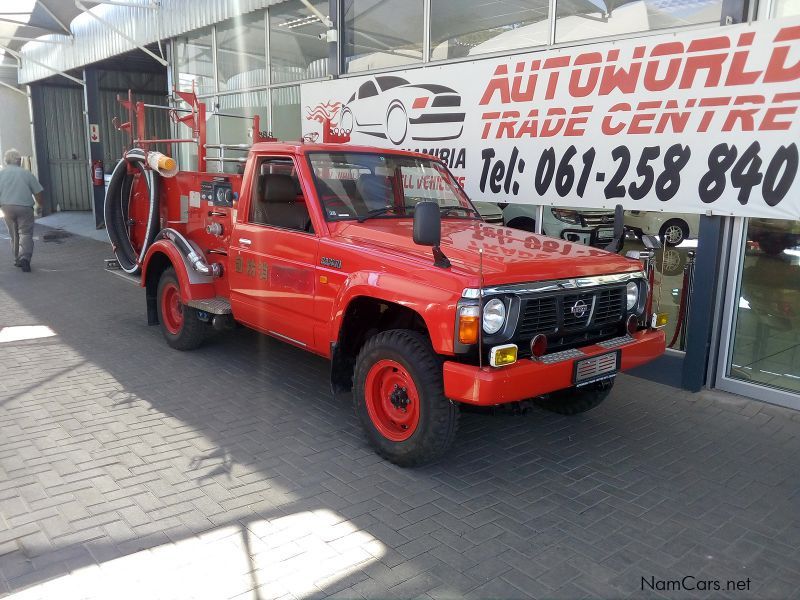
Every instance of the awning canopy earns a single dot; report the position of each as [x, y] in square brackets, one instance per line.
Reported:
[68, 38]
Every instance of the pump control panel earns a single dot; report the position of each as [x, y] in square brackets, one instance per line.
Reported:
[219, 192]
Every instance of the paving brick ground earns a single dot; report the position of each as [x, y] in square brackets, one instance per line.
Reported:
[128, 470]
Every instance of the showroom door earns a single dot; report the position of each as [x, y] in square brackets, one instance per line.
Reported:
[760, 334]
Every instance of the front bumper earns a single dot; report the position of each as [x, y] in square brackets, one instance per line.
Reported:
[530, 378]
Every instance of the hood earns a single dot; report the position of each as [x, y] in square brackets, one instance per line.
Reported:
[509, 255]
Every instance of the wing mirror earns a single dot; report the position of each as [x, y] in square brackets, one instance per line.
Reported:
[428, 230]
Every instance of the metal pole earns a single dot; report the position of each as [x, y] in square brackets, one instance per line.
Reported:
[37, 40]
[14, 89]
[91, 99]
[46, 9]
[20, 57]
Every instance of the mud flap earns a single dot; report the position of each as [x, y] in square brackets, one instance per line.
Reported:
[152, 310]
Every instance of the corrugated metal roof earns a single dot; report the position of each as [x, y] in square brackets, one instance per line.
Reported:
[94, 41]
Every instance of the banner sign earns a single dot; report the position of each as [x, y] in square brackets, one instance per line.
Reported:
[704, 121]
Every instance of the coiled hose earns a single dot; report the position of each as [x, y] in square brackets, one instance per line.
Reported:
[116, 210]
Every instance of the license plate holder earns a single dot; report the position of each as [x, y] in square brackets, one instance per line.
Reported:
[596, 368]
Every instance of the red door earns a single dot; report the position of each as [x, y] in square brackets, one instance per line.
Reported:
[273, 254]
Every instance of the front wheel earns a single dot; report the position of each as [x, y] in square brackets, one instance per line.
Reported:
[180, 325]
[576, 400]
[398, 396]
[674, 232]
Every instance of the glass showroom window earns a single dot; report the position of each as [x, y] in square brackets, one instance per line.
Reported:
[471, 27]
[379, 34]
[296, 49]
[583, 19]
[194, 62]
[235, 130]
[286, 113]
[674, 264]
[766, 335]
[241, 53]
[186, 154]
[786, 8]
[595, 227]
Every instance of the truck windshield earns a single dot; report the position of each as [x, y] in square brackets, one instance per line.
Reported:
[357, 185]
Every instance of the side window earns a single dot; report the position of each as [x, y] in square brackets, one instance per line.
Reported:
[278, 198]
[367, 90]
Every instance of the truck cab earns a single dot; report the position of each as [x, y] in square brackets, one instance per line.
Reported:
[377, 260]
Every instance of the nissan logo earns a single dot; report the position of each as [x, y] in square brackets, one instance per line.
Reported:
[579, 309]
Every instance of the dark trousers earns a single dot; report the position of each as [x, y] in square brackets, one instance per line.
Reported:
[19, 220]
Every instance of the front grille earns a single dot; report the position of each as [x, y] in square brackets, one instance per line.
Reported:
[540, 315]
[577, 309]
[609, 306]
[572, 319]
[597, 220]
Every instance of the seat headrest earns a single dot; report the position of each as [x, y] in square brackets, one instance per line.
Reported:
[279, 188]
[375, 190]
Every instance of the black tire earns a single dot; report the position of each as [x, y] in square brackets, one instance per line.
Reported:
[523, 223]
[438, 416]
[671, 225]
[192, 331]
[576, 400]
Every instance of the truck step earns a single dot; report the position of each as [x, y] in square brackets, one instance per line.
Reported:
[214, 306]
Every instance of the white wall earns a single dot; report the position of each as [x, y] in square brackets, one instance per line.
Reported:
[15, 123]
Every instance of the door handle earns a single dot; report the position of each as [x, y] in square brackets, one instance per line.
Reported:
[245, 241]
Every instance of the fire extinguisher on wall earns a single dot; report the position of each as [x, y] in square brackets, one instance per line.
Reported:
[97, 172]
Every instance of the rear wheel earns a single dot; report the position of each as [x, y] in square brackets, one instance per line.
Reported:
[180, 325]
[398, 396]
[576, 400]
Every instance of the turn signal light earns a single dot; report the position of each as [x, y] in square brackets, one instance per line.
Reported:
[659, 320]
[468, 323]
[503, 355]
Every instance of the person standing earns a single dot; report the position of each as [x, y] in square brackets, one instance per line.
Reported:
[19, 189]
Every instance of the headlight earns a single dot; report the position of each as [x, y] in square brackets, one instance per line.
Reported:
[567, 216]
[494, 315]
[633, 294]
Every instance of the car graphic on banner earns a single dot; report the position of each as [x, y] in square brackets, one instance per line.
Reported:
[391, 108]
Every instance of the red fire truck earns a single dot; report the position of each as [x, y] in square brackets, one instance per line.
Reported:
[377, 260]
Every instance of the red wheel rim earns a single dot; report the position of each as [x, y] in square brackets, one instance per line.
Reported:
[172, 308]
[392, 400]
